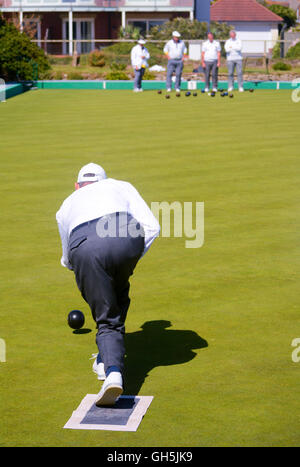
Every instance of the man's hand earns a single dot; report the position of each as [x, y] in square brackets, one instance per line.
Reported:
[203, 65]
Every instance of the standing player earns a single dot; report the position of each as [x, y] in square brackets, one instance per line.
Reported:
[211, 59]
[176, 52]
[105, 228]
[233, 49]
[139, 57]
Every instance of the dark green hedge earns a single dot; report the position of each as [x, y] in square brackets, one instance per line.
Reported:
[20, 59]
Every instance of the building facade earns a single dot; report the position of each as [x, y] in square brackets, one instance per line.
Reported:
[90, 20]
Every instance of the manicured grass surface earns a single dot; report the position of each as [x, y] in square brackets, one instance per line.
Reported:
[221, 373]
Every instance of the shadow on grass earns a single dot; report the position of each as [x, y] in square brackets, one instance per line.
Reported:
[82, 331]
[153, 346]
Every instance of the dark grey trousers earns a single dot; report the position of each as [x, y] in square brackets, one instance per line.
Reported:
[211, 68]
[102, 267]
[174, 66]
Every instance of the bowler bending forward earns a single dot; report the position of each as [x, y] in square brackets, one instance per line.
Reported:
[105, 228]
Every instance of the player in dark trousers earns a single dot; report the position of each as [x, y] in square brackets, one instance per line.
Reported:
[105, 228]
[211, 59]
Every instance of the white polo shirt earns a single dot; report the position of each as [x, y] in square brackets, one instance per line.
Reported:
[98, 199]
[211, 50]
[175, 50]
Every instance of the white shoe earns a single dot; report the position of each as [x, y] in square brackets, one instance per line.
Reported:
[230, 89]
[177, 90]
[140, 90]
[112, 388]
[215, 90]
[98, 367]
[136, 90]
[241, 89]
[206, 89]
[169, 90]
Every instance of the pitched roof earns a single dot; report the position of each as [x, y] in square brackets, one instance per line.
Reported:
[241, 10]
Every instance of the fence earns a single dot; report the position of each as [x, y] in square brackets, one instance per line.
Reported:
[251, 47]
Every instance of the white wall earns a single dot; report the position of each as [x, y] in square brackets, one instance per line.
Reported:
[257, 38]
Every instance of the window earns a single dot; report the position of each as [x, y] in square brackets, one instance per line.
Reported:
[145, 25]
[83, 29]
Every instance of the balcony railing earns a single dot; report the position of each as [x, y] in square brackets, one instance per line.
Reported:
[100, 3]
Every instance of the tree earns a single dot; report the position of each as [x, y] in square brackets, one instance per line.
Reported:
[189, 30]
[129, 32]
[18, 55]
[287, 14]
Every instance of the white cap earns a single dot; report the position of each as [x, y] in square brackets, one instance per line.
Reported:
[141, 41]
[176, 34]
[91, 173]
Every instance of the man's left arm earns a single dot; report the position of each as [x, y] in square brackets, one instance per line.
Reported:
[185, 52]
[238, 45]
[219, 54]
[139, 209]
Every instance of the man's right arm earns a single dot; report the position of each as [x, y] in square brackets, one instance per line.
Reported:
[202, 59]
[167, 50]
[64, 241]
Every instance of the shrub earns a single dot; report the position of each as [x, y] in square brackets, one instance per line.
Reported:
[120, 48]
[46, 75]
[75, 75]
[294, 52]
[276, 50]
[97, 58]
[129, 32]
[120, 53]
[157, 56]
[117, 75]
[60, 60]
[19, 56]
[189, 29]
[148, 75]
[118, 66]
[281, 66]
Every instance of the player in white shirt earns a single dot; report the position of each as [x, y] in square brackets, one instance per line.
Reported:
[176, 52]
[105, 228]
[233, 49]
[139, 57]
[211, 59]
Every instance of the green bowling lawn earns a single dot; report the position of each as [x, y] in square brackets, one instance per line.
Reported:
[209, 330]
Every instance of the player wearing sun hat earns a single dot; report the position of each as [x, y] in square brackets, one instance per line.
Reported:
[91, 173]
[176, 52]
[139, 57]
[105, 228]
